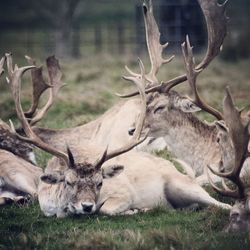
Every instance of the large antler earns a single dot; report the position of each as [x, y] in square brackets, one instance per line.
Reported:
[192, 73]
[39, 86]
[15, 84]
[140, 83]
[239, 134]
[216, 22]
[155, 48]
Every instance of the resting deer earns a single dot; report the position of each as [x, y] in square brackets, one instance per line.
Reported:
[170, 115]
[237, 130]
[70, 176]
[74, 183]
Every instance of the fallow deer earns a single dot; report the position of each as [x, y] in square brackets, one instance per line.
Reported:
[169, 115]
[236, 129]
[64, 185]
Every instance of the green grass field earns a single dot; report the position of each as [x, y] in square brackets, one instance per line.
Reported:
[91, 84]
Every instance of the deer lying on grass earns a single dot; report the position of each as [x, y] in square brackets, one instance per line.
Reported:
[73, 179]
[237, 130]
[76, 184]
[169, 115]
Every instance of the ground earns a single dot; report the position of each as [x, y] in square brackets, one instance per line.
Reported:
[91, 84]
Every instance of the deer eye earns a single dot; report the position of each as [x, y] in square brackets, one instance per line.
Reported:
[99, 185]
[159, 109]
[71, 184]
[218, 139]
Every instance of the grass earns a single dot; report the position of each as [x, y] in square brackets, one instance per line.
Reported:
[91, 84]
[25, 227]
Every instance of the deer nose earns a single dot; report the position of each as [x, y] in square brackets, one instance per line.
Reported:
[131, 131]
[87, 207]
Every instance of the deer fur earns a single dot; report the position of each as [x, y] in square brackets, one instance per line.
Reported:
[110, 129]
[18, 177]
[189, 139]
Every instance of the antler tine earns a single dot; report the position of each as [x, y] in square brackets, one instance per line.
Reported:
[2, 61]
[140, 83]
[216, 22]
[192, 74]
[155, 48]
[239, 135]
[15, 83]
[39, 86]
[10, 69]
[56, 84]
[227, 192]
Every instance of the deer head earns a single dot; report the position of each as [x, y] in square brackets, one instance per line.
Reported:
[79, 181]
[162, 102]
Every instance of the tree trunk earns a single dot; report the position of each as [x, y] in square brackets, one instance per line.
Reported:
[64, 28]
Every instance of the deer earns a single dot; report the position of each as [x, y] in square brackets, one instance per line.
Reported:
[170, 115]
[236, 128]
[73, 183]
[63, 184]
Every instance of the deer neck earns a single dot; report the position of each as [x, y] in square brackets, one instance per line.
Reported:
[10, 142]
[192, 140]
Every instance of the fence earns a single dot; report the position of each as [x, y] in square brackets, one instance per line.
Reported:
[176, 18]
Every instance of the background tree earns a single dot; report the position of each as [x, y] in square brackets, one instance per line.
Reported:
[61, 15]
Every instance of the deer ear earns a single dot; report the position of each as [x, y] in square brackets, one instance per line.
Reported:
[52, 178]
[111, 171]
[187, 106]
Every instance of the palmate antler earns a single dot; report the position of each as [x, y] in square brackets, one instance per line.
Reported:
[216, 22]
[239, 134]
[39, 86]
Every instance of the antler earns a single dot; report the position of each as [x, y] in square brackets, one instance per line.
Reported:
[238, 132]
[39, 86]
[192, 73]
[155, 49]
[2, 61]
[216, 22]
[15, 83]
[140, 83]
